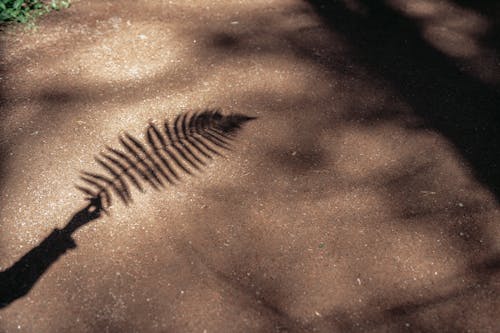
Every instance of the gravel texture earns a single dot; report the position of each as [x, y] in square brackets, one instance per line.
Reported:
[341, 209]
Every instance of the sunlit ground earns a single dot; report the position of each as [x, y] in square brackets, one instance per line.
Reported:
[364, 198]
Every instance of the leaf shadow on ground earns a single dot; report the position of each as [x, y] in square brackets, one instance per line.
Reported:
[204, 136]
[450, 108]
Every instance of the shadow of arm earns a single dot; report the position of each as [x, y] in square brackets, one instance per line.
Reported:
[17, 280]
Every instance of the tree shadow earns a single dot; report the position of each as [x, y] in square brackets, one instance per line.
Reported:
[461, 107]
[482, 275]
[3, 71]
[489, 9]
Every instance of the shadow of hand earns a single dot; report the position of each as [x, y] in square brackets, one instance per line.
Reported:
[91, 212]
[17, 280]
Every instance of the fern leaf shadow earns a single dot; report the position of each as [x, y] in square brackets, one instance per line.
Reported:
[183, 147]
[191, 138]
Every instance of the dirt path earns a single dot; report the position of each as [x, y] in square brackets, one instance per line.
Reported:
[348, 206]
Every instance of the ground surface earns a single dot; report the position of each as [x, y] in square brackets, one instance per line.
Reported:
[363, 199]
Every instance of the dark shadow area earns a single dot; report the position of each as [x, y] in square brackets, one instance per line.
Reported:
[225, 40]
[482, 275]
[413, 316]
[256, 292]
[461, 107]
[490, 265]
[445, 99]
[58, 97]
[490, 10]
[17, 281]
[3, 145]
[298, 162]
[450, 101]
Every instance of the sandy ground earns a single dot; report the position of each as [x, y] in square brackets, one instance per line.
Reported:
[339, 210]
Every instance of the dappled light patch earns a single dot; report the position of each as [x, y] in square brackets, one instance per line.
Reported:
[457, 31]
[364, 200]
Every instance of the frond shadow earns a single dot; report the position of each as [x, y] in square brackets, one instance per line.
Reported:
[180, 147]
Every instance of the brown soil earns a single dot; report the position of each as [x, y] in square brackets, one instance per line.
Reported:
[348, 206]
